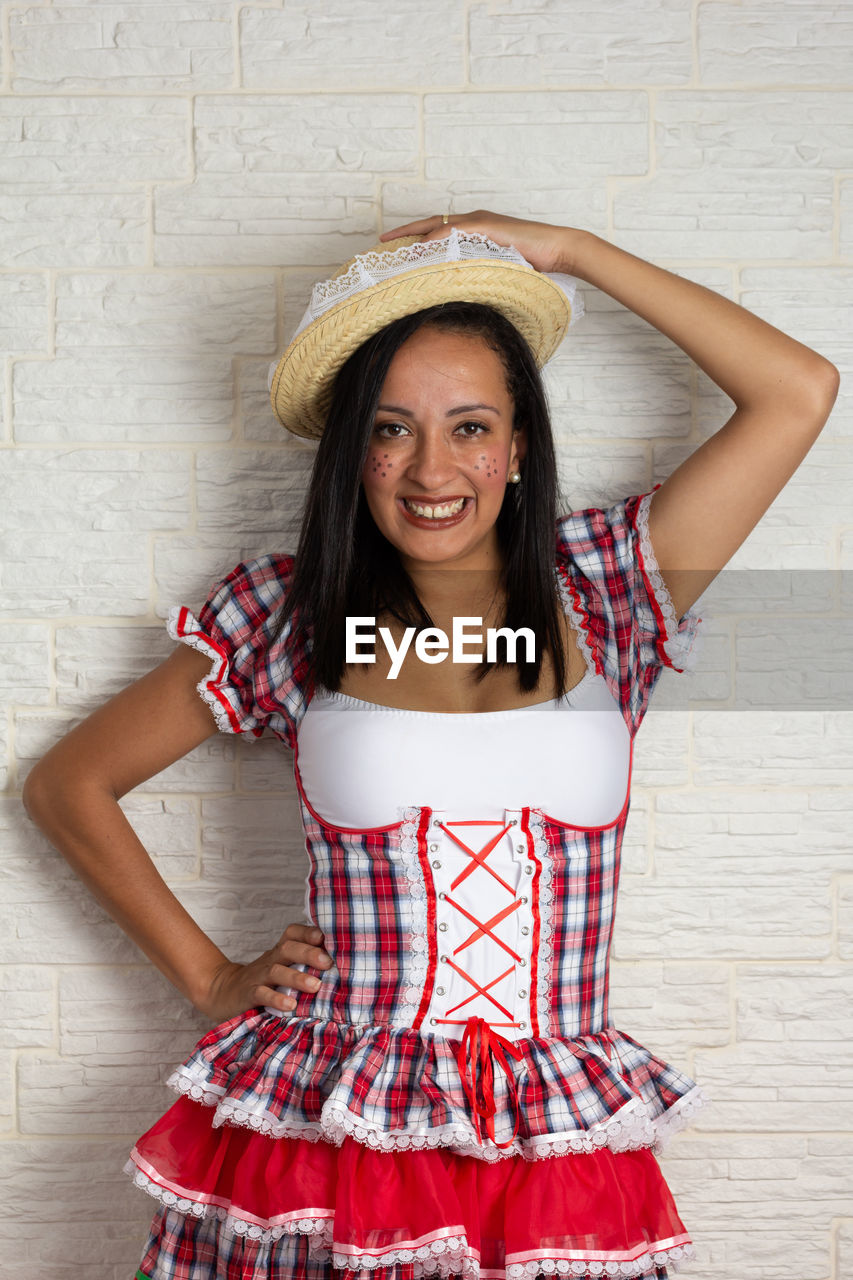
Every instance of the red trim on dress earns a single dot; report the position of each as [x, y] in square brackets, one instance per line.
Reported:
[650, 592]
[584, 617]
[533, 987]
[423, 858]
[211, 682]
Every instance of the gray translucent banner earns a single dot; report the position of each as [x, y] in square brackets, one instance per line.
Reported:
[770, 640]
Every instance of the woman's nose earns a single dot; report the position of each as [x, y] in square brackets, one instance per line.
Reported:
[432, 461]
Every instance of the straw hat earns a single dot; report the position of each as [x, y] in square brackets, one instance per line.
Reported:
[400, 277]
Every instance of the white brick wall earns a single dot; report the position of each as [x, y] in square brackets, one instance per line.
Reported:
[173, 178]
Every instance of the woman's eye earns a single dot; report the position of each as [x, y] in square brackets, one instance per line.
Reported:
[390, 430]
[472, 428]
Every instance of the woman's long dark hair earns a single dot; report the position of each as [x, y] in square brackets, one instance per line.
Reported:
[346, 566]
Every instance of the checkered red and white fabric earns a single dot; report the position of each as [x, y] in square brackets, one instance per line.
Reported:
[467, 1012]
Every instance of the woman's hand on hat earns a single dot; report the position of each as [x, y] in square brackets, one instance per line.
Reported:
[238, 987]
[546, 247]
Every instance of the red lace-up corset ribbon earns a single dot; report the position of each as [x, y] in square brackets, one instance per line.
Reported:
[477, 1053]
[484, 876]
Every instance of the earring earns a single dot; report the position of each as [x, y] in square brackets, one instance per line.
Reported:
[514, 477]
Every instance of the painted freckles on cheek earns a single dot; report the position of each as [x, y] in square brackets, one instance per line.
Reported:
[379, 466]
[489, 465]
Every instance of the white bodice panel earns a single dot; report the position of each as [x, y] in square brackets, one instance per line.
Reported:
[360, 763]
[485, 923]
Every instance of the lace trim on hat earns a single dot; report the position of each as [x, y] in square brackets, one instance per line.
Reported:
[368, 269]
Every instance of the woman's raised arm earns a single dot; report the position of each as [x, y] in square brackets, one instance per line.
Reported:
[783, 392]
[72, 795]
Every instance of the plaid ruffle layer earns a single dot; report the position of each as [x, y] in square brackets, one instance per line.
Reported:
[398, 1089]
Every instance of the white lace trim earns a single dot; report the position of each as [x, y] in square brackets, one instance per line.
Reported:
[631, 1128]
[183, 1081]
[679, 648]
[444, 1255]
[419, 939]
[578, 622]
[368, 269]
[202, 645]
[320, 1229]
[449, 1256]
[452, 1256]
[678, 1116]
[671, 1255]
[546, 946]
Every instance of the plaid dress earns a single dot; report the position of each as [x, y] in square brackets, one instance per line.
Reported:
[352, 1139]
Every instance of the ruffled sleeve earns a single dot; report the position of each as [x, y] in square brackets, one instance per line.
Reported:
[257, 680]
[619, 598]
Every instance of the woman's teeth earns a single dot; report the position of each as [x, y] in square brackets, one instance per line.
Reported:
[435, 513]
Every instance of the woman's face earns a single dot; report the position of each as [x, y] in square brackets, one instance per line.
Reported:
[441, 450]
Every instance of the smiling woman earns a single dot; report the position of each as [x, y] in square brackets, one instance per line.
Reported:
[447, 1093]
[438, 456]
[401, 438]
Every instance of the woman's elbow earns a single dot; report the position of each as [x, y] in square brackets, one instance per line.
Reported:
[35, 792]
[823, 383]
[804, 396]
[49, 787]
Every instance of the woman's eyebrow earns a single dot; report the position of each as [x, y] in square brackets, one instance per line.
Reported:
[469, 408]
[460, 408]
[395, 408]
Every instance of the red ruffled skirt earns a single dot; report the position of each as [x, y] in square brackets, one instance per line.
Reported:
[239, 1205]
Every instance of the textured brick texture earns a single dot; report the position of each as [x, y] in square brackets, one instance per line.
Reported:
[173, 178]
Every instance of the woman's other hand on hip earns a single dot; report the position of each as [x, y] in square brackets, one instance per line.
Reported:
[236, 988]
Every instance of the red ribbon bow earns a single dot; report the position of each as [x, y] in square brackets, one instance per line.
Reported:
[475, 1058]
